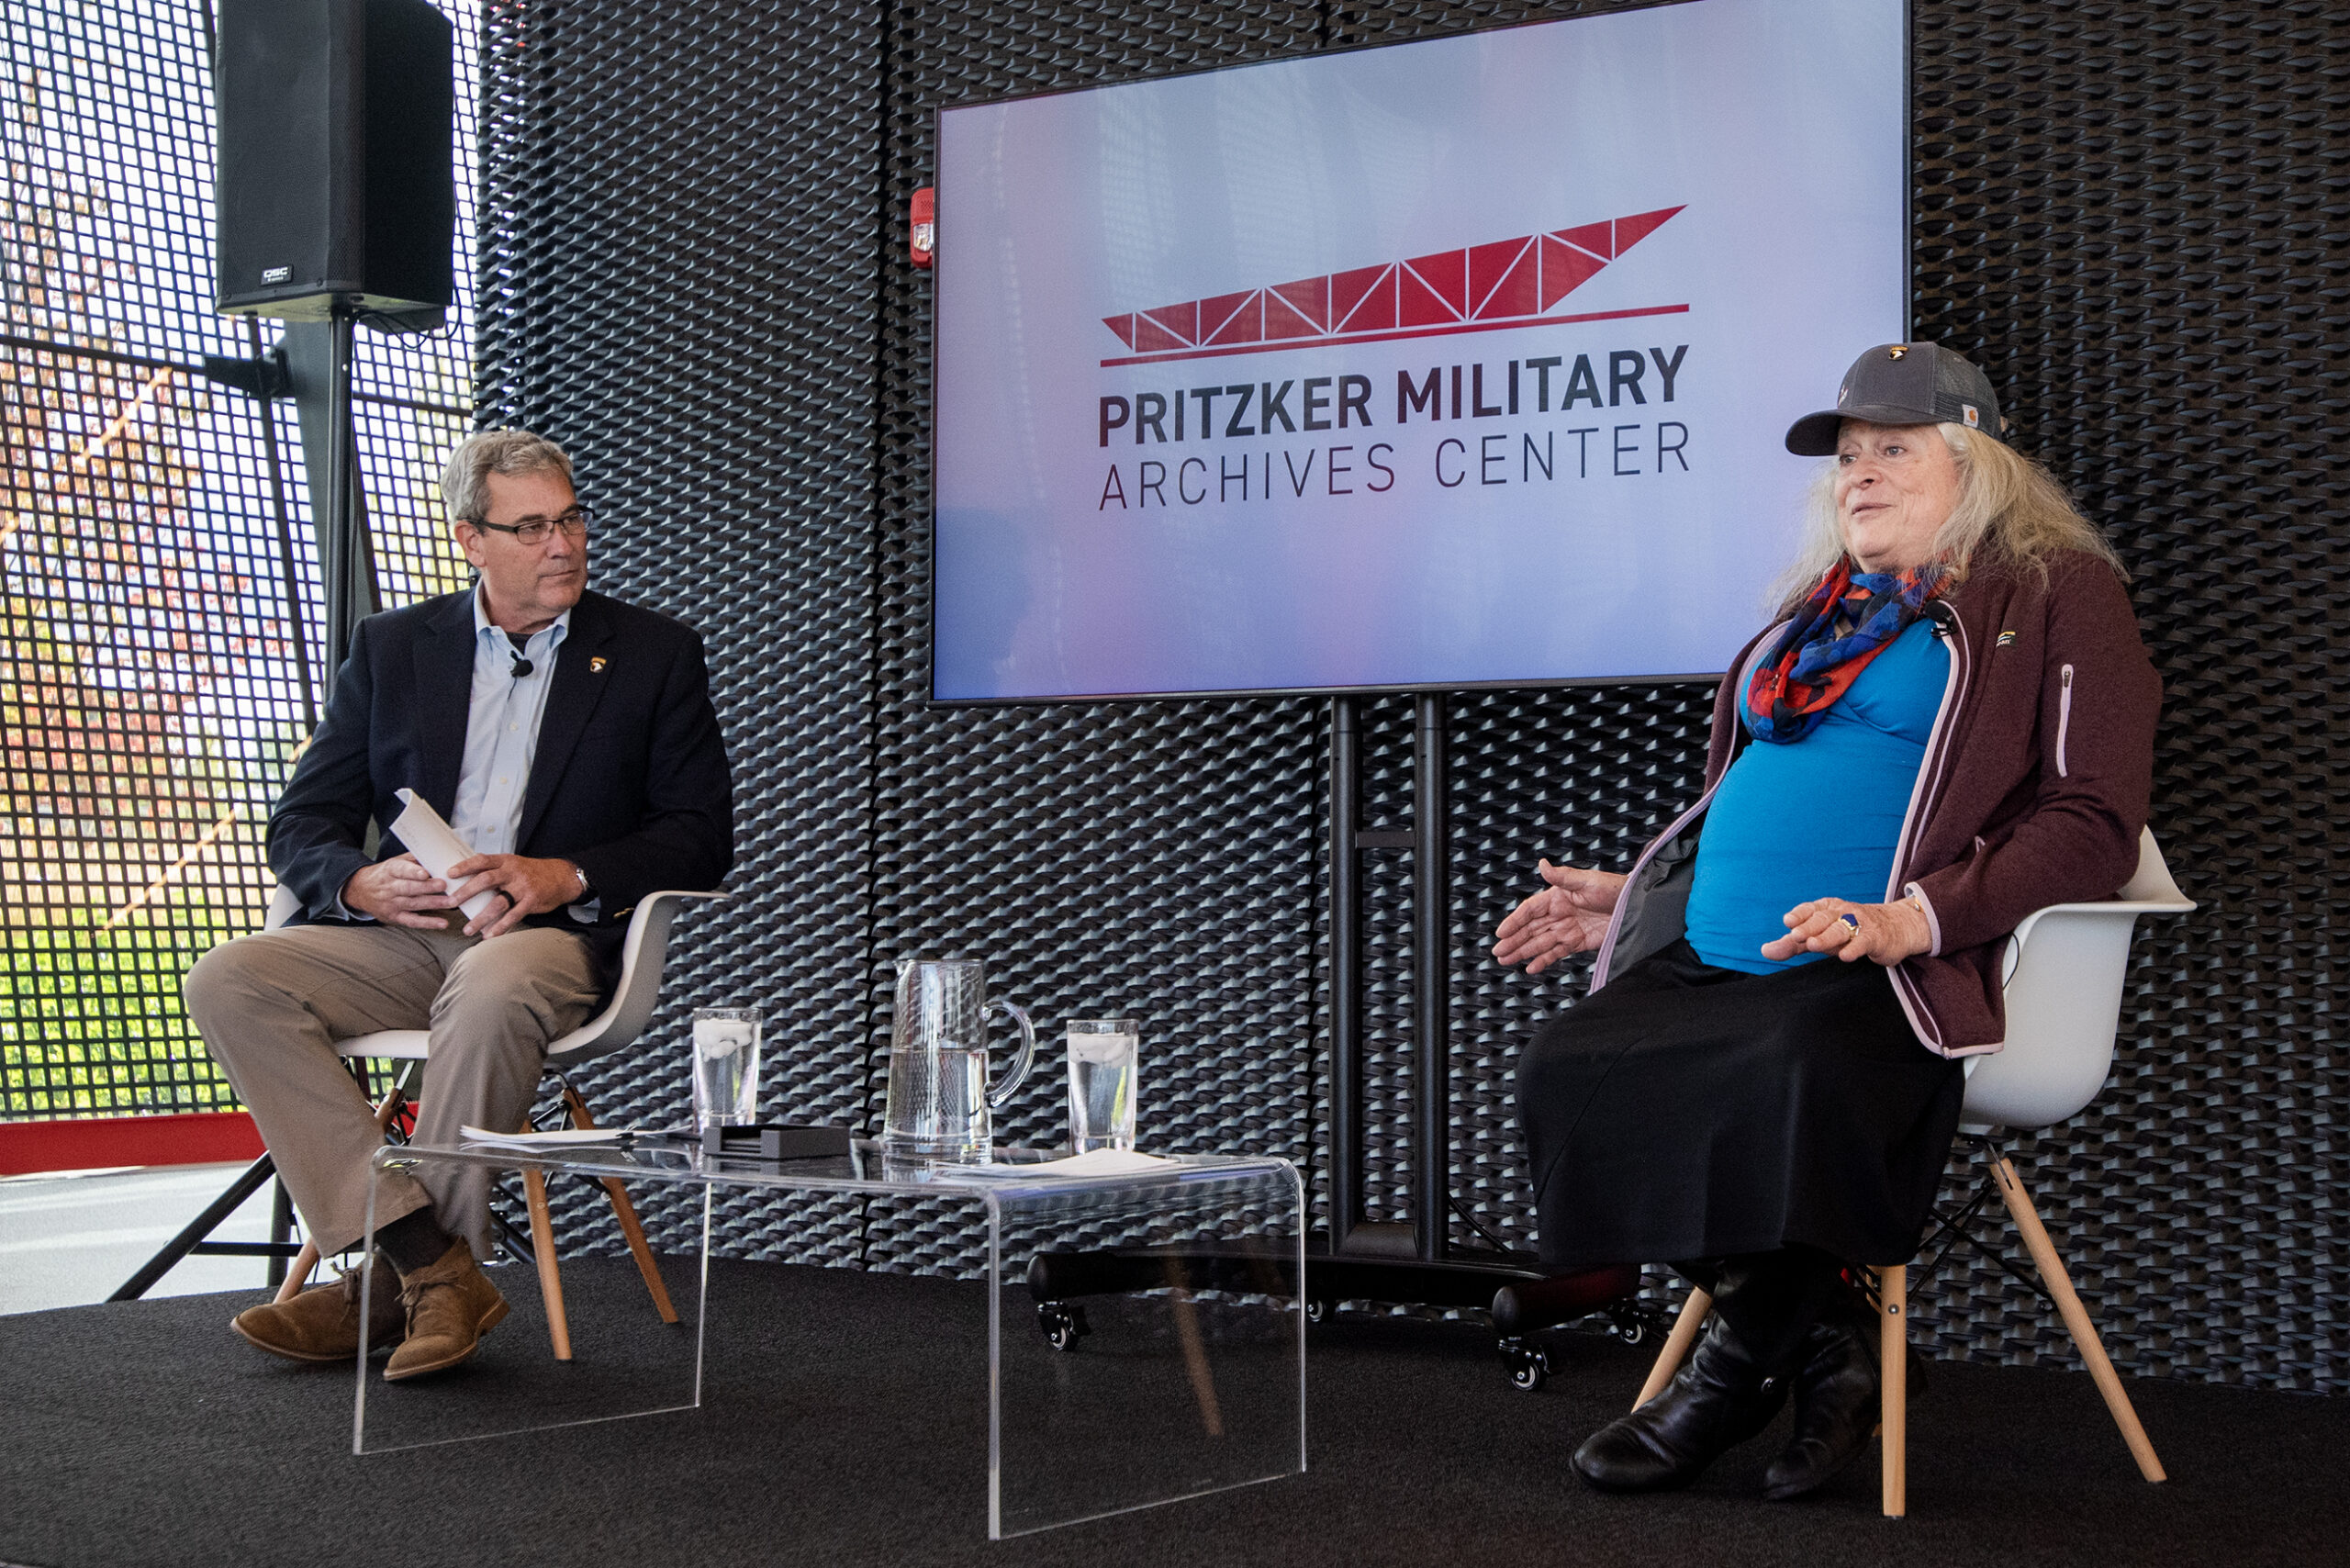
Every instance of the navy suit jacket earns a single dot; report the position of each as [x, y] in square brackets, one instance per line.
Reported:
[629, 780]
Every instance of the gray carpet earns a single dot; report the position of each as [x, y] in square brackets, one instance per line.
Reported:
[843, 1424]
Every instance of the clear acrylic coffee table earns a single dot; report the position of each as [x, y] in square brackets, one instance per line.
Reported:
[1145, 1341]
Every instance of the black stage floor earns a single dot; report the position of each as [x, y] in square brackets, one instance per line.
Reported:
[146, 1434]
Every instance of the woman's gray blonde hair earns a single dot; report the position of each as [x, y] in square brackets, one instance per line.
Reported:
[465, 481]
[2007, 504]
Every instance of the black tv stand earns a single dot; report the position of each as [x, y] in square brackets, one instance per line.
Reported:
[1358, 1259]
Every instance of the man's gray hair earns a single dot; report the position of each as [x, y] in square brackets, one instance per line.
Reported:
[465, 483]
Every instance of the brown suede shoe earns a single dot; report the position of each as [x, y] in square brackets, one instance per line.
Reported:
[450, 1306]
[322, 1323]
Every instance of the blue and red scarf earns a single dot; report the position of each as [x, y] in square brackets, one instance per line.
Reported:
[1849, 619]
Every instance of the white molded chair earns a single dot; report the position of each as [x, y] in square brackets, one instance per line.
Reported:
[618, 1025]
[2064, 974]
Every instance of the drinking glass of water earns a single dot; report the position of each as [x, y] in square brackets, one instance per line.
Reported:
[1102, 1060]
[726, 1066]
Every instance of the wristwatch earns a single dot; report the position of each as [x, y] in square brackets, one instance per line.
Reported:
[583, 880]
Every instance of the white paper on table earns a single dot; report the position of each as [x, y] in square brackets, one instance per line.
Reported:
[1094, 1163]
[435, 846]
[535, 1141]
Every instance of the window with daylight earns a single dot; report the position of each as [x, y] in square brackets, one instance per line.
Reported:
[160, 661]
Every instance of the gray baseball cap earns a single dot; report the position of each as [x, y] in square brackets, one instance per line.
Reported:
[1903, 384]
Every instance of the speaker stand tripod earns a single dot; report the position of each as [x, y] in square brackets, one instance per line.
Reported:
[317, 358]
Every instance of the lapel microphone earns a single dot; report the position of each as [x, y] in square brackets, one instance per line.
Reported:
[522, 666]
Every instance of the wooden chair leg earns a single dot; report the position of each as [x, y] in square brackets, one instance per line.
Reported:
[308, 1259]
[299, 1275]
[1893, 1375]
[625, 1212]
[534, 1185]
[2076, 1319]
[1195, 1353]
[1677, 1345]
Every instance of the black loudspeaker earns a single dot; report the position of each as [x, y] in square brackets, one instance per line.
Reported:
[334, 177]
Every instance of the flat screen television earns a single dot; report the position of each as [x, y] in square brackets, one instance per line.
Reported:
[1452, 364]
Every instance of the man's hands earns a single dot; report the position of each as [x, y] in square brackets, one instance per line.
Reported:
[1889, 934]
[398, 892]
[1567, 917]
[402, 892]
[527, 887]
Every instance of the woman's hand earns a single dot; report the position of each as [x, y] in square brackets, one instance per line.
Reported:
[1567, 917]
[1888, 932]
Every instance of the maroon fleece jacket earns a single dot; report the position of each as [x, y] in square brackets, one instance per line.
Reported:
[2032, 791]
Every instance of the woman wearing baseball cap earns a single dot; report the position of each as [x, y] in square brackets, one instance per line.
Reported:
[1950, 726]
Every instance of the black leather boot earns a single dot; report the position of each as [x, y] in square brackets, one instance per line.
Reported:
[1734, 1383]
[1836, 1408]
[1719, 1400]
[1838, 1399]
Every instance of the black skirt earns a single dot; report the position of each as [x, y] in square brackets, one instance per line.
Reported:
[1689, 1111]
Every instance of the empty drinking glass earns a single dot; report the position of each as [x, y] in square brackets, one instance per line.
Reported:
[1102, 1057]
[726, 1066]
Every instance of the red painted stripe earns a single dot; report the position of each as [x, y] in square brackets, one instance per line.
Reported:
[89, 1143]
[1444, 332]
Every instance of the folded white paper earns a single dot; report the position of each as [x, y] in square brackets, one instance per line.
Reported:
[436, 846]
[1094, 1163]
[541, 1141]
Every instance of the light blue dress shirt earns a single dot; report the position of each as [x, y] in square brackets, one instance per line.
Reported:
[502, 739]
[502, 731]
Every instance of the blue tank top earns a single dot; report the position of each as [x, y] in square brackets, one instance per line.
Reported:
[1818, 817]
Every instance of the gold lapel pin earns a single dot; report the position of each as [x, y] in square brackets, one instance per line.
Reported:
[596, 665]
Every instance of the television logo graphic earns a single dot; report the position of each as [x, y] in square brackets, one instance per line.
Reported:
[1478, 288]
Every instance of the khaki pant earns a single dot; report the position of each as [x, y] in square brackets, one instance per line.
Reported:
[271, 1006]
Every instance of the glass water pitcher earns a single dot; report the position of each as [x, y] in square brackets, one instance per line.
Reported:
[939, 1100]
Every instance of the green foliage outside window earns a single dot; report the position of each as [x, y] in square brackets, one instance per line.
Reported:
[150, 692]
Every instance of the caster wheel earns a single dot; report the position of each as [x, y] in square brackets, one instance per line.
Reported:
[1632, 1333]
[1316, 1310]
[1528, 1367]
[1063, 1324]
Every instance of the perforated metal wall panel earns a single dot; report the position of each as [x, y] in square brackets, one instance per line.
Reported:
[2134, 214]
[684, 285]
[160, 622]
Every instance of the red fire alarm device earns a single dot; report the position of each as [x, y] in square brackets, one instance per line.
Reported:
[924, 241]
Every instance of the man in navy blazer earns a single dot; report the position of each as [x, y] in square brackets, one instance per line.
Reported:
[569, 740]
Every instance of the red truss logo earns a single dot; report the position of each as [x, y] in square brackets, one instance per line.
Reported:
[1480, 288]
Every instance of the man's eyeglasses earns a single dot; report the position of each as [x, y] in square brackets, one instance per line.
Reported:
[534, 529]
